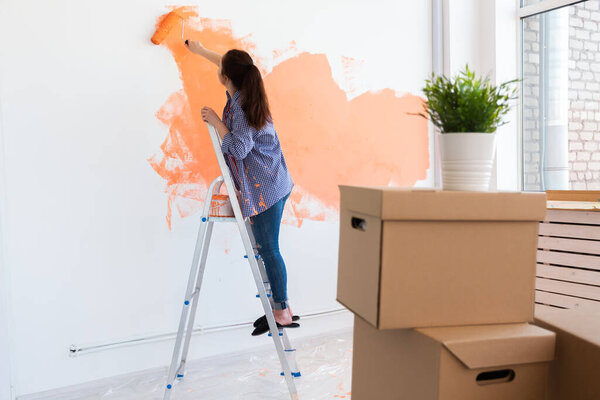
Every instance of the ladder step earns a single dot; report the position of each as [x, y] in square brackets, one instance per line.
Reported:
[268, 295]
[294, 374]
[218, 219]
[280, 334]
[178, 373]
[255, 256]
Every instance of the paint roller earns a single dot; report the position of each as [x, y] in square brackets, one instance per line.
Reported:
[165, 26]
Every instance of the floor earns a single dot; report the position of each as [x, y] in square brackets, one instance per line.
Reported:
[325, 363]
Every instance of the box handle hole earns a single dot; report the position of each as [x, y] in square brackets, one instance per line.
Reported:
[359, 223]
[499, 376]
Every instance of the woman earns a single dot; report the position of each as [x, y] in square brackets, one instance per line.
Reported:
[253, 154]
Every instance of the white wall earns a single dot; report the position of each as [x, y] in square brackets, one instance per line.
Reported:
[90, 257]
[5, 318]
[483, 34]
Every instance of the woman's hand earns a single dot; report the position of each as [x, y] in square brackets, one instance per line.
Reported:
[209, 115]
[195, 46]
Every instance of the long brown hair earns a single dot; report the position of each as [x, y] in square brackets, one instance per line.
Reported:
[238, 66]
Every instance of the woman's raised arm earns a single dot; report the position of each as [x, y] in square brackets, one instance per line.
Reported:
[196, 47]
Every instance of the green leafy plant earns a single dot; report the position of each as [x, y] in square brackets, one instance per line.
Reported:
[467, 103]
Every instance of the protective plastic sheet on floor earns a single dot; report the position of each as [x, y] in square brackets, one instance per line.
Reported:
[325, 363]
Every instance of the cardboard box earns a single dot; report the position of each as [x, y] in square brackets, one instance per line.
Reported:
[575, 371]
[489, 362]
[420, 258]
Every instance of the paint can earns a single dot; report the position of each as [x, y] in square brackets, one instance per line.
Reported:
[220, 206]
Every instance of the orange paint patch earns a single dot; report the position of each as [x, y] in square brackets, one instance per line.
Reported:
[369, 140]
[326, 139]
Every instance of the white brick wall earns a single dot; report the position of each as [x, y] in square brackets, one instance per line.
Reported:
[584, 96]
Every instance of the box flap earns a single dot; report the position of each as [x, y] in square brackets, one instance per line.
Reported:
[486, 346]
[583, 323]
[361, 199]
[395, 203]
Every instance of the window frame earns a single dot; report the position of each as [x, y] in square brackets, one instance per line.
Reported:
[543, 6]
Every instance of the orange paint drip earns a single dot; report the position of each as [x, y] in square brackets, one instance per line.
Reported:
[370, 140]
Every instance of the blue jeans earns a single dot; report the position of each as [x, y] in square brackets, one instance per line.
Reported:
[265, 227]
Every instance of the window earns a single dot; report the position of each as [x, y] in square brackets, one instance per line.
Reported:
[560, 95]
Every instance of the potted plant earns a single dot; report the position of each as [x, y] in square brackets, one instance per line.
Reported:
[467, 110]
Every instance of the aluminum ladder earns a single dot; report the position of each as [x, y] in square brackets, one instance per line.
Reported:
[286, 353]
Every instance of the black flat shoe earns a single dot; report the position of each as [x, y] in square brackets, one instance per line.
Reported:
[264, 327]
[263, 319]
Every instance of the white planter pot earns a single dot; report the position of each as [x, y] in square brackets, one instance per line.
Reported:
[467, 160]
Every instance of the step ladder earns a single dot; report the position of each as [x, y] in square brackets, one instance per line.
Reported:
[286, 353]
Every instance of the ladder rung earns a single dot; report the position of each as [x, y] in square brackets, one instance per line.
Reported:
[218, 219]
[280, 334]
[268, 295]
[255, 256]
[294, 374]
[177, 374]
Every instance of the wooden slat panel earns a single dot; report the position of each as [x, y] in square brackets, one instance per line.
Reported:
[570, 231]
[576, 217]
[567, 288]
[540, 308]
[569, 259]
[573, 245]
[564, 301]
[569, 274]
[573, 195]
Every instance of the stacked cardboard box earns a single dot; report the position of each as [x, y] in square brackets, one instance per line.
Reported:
[442, 285]
[575, 371]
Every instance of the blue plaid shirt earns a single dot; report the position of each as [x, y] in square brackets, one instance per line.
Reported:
[255, 160]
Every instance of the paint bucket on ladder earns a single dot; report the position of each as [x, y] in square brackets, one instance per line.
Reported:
[220, 206]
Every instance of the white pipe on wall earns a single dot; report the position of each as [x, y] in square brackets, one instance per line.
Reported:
[75, 350]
